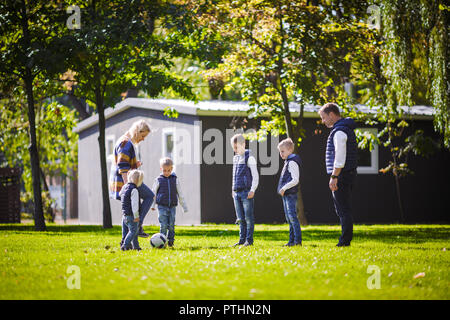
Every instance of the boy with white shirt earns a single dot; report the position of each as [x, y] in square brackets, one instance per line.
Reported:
[244, 184]
[288, 188]
[168, 192]
[129, 197]
[341, 163]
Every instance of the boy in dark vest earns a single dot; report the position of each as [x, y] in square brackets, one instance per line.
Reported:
[244, 184]
[168, 193]
[288, 188]
[341, 160]
[129, 197]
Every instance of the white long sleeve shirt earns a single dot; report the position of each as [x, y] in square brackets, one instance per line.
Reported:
[251, 163]
[340, 149]
[134, 201]
[295, 174]
[181, 199]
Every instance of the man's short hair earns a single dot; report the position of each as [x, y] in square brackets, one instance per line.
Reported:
[165, 162]
[330, 107]
[237, 138]
[287, 143]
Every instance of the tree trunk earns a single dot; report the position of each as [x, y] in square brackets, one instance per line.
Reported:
[300, 204]
[39, 221]
[80, 106]
[107, 220]
[397, 187]
[47, 209]
[287, 114]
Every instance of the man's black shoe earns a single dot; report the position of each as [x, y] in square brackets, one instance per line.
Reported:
[343, 245]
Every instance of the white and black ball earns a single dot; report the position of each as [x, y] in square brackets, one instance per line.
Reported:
[158, 240]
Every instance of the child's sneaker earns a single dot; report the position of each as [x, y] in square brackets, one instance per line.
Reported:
[170, 243]
[238, 244]
[142, 234]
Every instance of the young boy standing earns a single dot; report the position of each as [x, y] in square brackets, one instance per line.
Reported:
[168, 192]
[288, 188]
[245, 182]
[129, 197]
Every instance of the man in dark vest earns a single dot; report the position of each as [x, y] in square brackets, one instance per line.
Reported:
[341, 162]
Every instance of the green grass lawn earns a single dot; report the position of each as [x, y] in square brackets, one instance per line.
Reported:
[202, 265]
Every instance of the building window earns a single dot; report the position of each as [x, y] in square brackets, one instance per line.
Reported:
[368, 160]
[168, 142]
[110, 144]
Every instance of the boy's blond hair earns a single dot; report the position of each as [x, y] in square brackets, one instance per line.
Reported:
[136, 176]
[286, 143]
[165, 162]
[237, 138]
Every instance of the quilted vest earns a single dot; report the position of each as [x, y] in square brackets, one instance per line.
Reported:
[348, 126]
[286, 176]
[167, 191]
[242, 173]
[126, 198]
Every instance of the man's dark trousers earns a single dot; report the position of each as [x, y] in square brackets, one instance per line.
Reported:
[342, 204]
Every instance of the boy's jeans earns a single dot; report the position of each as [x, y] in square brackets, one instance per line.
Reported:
[244, 211]
[129, 233]
[342, 204]
[146, 194]
[290, 211]
[166, 217]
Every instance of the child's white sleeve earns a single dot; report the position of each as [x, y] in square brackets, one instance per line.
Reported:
[251, 163]
[155, 188]
[121, 191]
[135, 202]
[181, 198]
[295, 174]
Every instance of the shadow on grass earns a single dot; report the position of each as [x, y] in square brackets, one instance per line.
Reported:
[60, 229]
[314, 233]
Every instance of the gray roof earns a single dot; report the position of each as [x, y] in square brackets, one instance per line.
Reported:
[227, 108]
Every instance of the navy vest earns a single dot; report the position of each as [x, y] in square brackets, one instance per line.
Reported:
[348, 126]
[286, 176]
[167, 191]
[126, 198]
[242, 173]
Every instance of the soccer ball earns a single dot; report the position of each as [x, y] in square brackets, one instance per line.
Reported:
[158, 240]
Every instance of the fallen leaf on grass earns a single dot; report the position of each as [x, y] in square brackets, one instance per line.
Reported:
[419, 275]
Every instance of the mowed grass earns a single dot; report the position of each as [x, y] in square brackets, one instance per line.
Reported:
[413, 261]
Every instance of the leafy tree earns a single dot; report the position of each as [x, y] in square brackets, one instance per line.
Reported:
[30, 49]
[418, 31]
[283, 52]
[391, 69]
[56, 142]
[122, 45]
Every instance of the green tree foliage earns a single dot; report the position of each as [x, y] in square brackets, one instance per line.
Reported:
[31, 47]
[56, 142]
[282, 52]
[121, 45]
[403, 66]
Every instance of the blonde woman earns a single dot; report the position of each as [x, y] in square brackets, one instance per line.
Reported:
[125, 159]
